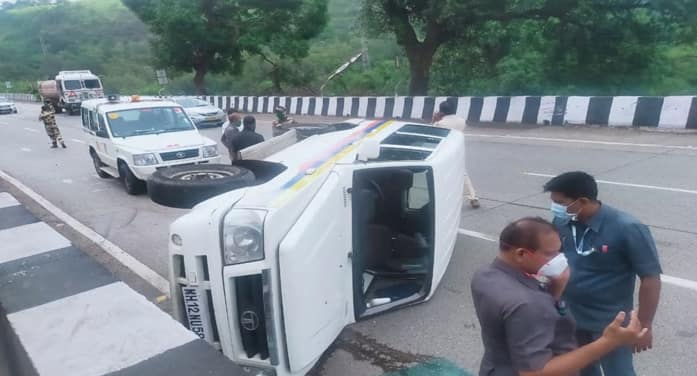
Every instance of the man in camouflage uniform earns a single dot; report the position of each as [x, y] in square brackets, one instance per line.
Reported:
[48, 116]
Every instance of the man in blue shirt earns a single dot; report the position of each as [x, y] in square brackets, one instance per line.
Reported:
[606, 250]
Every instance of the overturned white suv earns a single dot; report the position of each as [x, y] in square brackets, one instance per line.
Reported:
[327, 231]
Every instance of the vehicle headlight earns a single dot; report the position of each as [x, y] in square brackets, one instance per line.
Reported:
[209, 151]
[144, 159]
[243, 237]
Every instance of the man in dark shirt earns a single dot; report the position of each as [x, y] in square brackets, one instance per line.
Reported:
[231, 128]
[526, 330]
[248, 136]
[606, 250]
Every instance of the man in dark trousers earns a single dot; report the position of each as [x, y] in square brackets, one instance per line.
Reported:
[607, 249]
[248, 136]
[48, 116]
[525, 327]
[230, 129]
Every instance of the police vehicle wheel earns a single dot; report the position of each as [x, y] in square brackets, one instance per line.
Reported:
[185, 186]
[133, 185]
[98, 165]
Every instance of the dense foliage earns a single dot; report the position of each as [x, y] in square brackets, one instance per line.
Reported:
[642, 51]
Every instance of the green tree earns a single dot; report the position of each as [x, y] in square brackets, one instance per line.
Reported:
[589, 27]
[282, 38]
[211, 35]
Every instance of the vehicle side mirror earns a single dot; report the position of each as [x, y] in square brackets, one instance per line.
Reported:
[101, 133]
[368, 149]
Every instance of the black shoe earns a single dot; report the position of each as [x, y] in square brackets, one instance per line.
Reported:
[63, 145]
[54, 145]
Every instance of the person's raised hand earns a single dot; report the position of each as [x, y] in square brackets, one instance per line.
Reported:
[618, 335]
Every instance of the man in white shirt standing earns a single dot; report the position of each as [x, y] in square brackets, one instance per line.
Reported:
[446, 118]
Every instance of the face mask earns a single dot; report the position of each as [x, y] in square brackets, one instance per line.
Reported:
[559, 211]
[554, 267]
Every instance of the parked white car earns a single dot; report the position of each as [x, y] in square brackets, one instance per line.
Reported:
[7, 106]
[201, 112]
[331, 230]
[131, 138]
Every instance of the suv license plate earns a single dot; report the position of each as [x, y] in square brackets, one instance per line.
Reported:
[197, 316]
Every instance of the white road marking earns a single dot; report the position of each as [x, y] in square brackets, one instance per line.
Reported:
[26, 150]
[654, 187]
[29, 240]
[675, 281]
[67, 181]
[686, 283]
[577, 141]
[30, 130]
[7, 200]
[96, 332]
[478, 235]
[112, 249]
[78, 141]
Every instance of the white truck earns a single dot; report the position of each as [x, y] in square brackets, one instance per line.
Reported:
[330, 230]
[131, 138]
[70, 88]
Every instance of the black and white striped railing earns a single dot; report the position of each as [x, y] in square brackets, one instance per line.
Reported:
[678, 112]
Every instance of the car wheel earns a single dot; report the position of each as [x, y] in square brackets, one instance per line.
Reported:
[133, 185]
[185, 186]
[98, 166]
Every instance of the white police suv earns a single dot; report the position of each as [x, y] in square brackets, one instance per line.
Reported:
[131, 138]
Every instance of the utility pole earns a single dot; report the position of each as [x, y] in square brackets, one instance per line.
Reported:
[364, 51]
[43, 44]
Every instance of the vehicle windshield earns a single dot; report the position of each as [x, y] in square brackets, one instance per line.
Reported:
[92, 84]
[191, 102]
[72, 85]
[143, 121]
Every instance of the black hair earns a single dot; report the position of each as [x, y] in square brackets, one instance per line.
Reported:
[250, 123]
[574, 185]
[231, 111]
[524, 233]
[447, 107]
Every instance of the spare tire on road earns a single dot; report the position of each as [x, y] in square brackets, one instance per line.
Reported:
[185, 186]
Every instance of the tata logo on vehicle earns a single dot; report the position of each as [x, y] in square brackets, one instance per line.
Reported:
[249, 321]
[181, 155]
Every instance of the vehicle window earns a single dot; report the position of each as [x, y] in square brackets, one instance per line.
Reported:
[399, 154]
[72, 85]
[419, 193]
[94, 123]
[85, 118]
[414, 140]
[191, 102]
[142, 121]
[101, 123]
[92, 84]
[424, 129]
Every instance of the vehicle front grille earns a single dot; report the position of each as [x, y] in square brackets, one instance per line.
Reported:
[251, 314]
[181, 154]
[210, 114]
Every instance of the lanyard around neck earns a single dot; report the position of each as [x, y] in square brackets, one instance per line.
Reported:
[579, 245]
